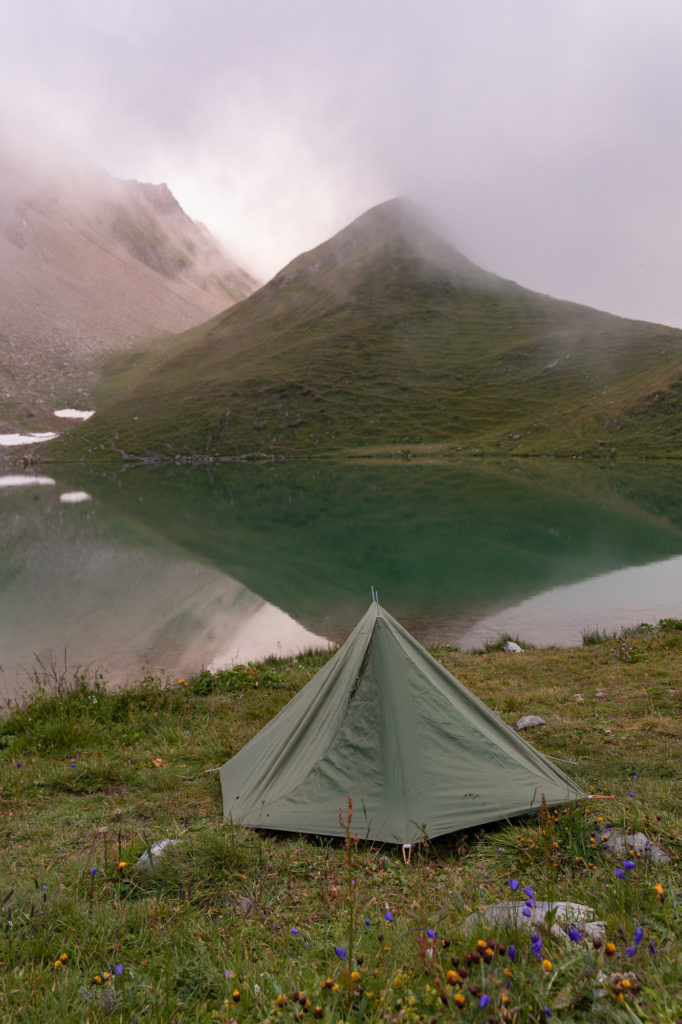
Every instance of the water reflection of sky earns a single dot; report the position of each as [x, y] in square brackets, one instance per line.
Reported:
[625, 597]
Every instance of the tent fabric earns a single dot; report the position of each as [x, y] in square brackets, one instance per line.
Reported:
[386, 725]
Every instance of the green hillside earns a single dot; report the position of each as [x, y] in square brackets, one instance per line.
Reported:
[386, 339]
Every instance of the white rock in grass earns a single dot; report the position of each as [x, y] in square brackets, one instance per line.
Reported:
[529, 721]
[563, 915]
[148, 862]
[618, 843]
[512, 647]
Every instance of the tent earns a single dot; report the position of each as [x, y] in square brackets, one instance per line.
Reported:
[383, 723]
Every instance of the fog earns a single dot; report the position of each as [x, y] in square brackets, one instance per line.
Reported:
[543, 137]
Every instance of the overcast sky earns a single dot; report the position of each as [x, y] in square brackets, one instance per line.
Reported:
[546, 135]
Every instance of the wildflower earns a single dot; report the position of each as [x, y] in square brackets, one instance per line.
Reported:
[547, 1012]
[529, 892]
[619, 873]
[659, 890]
[97, 980]
[630, 950]
[118, 969]
[355, 976]
[63, 957]
[632, 794]
[58, 965]
[44, 888]
[367, 922]
[511, 953]
[281, 1000]
[459, 1000]
[513, 884]
[388, 916]
[526, 912]
[483, 1001]
[628, 865]
[452, 978]
[236, 995]
[431, 934]
[481, 943]
[609, 949]
[507, 973]
[398, 981]
[93, 871]
[294, 931]
[317, 1012]
[531, 902]
[652, 947]
[546, 965]
[340, 952]
[574, 935]
[638, 936]
[228, 973]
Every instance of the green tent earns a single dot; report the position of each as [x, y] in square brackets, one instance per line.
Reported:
[385, 724]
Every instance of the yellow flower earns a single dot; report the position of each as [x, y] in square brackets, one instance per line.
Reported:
[235, 995]
[123, 864]
[508, 972]
[625, 983]
[504, 998]
[659, 890]
[459, 1000]
[58, 964]
[397, 981]
[452, 978]
[281, 1000]
[335, 987]
[610, 949]
[105, 975]
[63, 957]
[355, 976]
[481, 944]
[97, 980]
[547, 965]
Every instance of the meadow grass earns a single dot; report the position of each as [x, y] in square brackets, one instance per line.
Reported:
[240, 925]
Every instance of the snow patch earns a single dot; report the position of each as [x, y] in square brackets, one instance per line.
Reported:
[23, 481]
[73, 497]
[9, 440]
[74, 414]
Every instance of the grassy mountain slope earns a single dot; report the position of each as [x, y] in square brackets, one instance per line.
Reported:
[385, 338]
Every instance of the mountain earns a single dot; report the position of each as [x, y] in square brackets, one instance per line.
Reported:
[91, 266]
[386, 339]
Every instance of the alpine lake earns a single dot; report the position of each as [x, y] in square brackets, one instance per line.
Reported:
[126, 571]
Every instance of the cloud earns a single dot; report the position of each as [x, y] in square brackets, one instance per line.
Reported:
[543, 136]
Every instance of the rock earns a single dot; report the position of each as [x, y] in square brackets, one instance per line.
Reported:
[600, 693]
[509, 913]
[512, 647]
[617, 842]
[147, 864]
[530, 721]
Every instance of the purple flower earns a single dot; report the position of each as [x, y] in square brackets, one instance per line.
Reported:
[511, 953]
[628, 865]
[530, 903]
[630, 950]
[547, 1012]
[529, 892]
[388, 916]
[652, 947]
[574, 935]
[118, 969]
[526, 912]
[632, 793]
[367, 922]
[513, 884]
[44, 888]
[431, 934]
[634, 776]
[619, 873]
[228, 972]
[93, 871]
[483, 1001]
[294, 931]
[340, 952]
[638, 936]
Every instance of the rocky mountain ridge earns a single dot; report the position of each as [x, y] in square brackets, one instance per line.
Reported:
[92, 266]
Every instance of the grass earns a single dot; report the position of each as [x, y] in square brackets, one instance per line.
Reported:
[239, 925]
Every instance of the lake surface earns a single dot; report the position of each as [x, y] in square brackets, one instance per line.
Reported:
[177, 568]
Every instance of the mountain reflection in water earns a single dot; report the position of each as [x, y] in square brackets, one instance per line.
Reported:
[178, 568]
